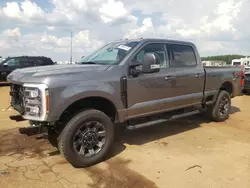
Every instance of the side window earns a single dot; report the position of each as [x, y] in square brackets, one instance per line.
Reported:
[155, 48]
[182, 56]
[40, 62]
[27, 63]
[13, 63]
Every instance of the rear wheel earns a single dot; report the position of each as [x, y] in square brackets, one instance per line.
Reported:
[87, 138]
[221, 109]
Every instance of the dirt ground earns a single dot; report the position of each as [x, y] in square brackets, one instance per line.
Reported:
[188, 153]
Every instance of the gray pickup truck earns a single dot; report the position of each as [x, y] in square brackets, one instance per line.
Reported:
[128, 83]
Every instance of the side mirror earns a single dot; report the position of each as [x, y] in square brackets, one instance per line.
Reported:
[135, 68]
[151, 63]
[5, 65]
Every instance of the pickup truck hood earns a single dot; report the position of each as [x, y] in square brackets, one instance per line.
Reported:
[36, 74]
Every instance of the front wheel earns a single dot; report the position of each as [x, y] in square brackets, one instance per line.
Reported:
[221, 109]
[86, 138]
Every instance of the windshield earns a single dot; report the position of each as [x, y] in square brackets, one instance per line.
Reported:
[110, 54]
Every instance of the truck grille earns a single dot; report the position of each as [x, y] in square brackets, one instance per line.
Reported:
[16, 93]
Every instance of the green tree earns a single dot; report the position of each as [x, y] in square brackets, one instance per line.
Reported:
[226, 58]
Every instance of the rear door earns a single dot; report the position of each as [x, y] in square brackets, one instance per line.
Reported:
[185, 75]
[26, 62]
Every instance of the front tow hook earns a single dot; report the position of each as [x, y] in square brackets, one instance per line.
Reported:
[30, 131]
[17, 118]
[35, 130]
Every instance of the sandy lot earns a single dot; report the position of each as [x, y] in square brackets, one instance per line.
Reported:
[186, 153]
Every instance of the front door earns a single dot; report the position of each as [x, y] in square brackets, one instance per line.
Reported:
[146, 91]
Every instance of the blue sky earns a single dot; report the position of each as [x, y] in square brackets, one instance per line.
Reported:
[41, 27]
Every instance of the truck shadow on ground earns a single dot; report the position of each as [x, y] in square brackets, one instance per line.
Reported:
[25, 159]
[11, 141]
[159, 131]
[19, 150]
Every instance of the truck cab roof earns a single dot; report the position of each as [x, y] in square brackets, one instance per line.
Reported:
[157, 40]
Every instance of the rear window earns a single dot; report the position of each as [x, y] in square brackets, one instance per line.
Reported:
[45, 61]
[182, 56]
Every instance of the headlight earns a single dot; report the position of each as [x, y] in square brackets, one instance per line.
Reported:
[35, 101]
[31, 92]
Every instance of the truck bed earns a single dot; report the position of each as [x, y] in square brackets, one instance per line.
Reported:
[215, 76]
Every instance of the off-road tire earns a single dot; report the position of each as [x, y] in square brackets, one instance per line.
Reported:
[213, 110]
[65, 139]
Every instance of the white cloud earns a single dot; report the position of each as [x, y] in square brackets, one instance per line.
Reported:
[112, 10]
[216, 26]
[32, 10]
[51, 28]
[12, 10]
[12, 33]
[13, 43]
[25, 12]
[146, 27]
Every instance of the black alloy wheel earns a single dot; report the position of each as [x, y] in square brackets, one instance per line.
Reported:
[89, 139]
[224, 106]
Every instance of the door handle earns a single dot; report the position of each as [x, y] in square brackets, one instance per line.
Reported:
[198, 75]
[169, 77]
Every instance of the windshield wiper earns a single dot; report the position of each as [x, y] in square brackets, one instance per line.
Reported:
[93, 63]
[88, 62]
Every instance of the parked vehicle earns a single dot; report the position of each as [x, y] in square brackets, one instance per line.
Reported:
[247, 82]
[12, 63]
[242, 62]
[130, 83]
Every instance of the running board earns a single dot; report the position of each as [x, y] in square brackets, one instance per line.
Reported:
[185, 115]
[150, 123]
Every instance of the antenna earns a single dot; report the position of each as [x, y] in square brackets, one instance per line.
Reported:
[71, 36]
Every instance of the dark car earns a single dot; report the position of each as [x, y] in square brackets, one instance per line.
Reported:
[12, 63]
